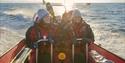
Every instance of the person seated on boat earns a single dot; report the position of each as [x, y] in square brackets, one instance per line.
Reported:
[80, 28]
[40, 27]
[39, 30]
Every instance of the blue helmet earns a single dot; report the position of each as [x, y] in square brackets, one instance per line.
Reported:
[41, 13]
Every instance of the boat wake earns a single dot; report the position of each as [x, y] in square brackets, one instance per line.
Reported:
[8, 39]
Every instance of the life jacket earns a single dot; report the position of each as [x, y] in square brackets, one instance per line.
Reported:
[35, 33]
[79, 29]
[83, 30]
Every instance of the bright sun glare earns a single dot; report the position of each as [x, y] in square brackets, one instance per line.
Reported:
[68, 4]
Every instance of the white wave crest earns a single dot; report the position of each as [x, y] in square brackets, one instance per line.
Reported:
[18, 11]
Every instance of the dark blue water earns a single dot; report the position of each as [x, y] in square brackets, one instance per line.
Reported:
[106, 20]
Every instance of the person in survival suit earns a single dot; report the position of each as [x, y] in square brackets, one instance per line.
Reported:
[82, 35]
[39, 30]
[80, 28]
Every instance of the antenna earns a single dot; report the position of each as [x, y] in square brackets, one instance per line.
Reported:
[64, 5]
[44, 2]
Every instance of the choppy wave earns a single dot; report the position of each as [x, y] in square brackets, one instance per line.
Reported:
[14, 22]
[18, 11]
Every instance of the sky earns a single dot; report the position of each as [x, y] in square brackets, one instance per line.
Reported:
[60, 1]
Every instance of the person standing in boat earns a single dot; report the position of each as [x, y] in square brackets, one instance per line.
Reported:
[39, 30]
[80, 28]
